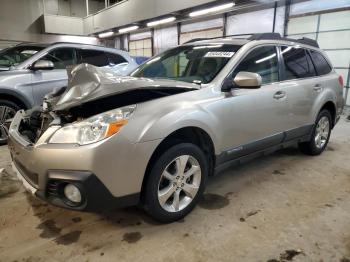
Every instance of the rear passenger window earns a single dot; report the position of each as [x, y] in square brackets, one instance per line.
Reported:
[263, 61]
[321, 64]
[297, 63]
[115, 59]
[94, 57]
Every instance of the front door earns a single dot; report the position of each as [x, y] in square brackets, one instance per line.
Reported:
[45, 81]
[256, 118]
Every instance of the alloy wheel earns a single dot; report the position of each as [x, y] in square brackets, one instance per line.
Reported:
[322, 132]
[6, 113]
[179, 183]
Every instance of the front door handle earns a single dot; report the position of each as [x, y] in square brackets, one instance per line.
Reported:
[318, 87]
[279, 95]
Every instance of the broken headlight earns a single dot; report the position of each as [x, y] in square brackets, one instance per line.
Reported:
[95, 128]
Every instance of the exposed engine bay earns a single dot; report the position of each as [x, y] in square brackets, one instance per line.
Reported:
[91, 91]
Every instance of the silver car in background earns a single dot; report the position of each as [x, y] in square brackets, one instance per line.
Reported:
[29, 71]
[154, 137]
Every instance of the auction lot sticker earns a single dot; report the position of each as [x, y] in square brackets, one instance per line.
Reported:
[219, 54]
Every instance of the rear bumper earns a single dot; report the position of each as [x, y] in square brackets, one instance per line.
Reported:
[109, 173]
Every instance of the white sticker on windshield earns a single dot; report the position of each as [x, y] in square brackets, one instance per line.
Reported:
[219, 54]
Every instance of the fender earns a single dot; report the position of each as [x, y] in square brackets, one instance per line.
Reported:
[326, 96]
[8, 92]
[192, 116]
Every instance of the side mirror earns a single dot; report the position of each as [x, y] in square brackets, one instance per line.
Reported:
[42, 65]
[247, 80]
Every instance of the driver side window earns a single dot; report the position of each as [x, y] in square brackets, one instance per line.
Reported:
[263, 61]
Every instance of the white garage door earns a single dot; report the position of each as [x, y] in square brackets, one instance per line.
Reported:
[141, 47]
[332, 31]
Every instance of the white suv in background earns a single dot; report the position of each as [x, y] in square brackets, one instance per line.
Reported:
[29, 71]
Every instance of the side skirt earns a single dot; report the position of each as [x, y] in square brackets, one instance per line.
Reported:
[231, 157]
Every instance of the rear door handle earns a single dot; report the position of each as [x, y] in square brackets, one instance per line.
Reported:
[318, 87]
[279, 95]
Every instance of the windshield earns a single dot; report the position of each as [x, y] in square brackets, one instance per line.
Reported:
[193, 64]
[18, 54]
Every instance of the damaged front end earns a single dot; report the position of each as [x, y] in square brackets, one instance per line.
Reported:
[92, 91]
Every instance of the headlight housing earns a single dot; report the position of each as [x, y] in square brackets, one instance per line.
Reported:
[93, 129]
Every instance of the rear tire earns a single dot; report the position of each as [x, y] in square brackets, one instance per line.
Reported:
[176, 182]
[320, 135]
[8, 110]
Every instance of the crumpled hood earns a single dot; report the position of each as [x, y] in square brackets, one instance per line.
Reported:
[87, 83]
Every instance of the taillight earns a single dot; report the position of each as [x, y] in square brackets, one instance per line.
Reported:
[341, 81]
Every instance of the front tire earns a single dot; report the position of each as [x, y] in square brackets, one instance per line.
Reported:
[8, 110]
[176, 182]
[320, 135]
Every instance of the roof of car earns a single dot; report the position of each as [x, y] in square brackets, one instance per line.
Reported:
[243, 39]
[229, 41]
[61, 43]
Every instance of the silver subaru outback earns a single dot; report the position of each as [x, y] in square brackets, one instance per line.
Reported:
[154, 137]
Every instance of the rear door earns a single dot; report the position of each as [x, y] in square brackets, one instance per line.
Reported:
[44, 81]
[300, 83]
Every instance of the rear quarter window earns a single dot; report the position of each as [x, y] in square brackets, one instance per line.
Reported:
[321, 64]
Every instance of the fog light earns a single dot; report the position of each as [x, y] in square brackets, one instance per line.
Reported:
[72, 193]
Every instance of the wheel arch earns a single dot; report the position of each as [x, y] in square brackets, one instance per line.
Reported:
[14, 97]
[189, 134]
[330, 106]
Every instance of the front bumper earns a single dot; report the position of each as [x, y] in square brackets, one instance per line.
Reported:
[96, 196]
[110, 172]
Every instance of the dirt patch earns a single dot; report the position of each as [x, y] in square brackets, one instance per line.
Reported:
[76, 219]
[49, 229]
[92, 247]
[132, 237]
[347, 246]
[8, 184]
[287, 255]
[249, 214]
[278, 172]
[131, 216]
[69, 238]
[213, 201]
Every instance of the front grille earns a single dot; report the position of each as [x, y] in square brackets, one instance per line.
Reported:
[31, 177]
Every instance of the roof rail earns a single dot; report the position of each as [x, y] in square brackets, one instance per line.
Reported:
[262, 36]
[308, 41]
[197, 39]
[265, 36]
[217, 37]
